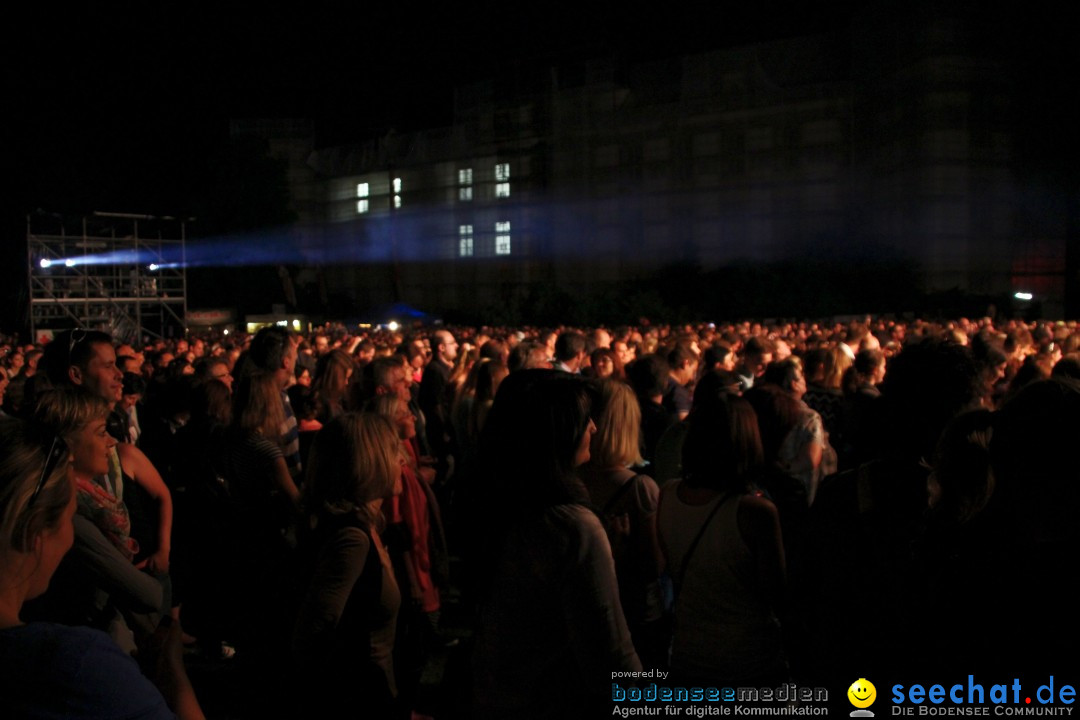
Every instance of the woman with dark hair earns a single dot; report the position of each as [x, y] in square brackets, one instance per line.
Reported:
[332, 375]
[549, 605]
[262, 500]
[604, 364]
[723, 547]
[472, 404]
[793, 435]
[343, 640]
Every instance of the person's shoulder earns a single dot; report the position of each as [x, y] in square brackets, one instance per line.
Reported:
[81, 672]
[757, 506]
[572, 514]
[263, 446]
[580, 536]
[131, 457]
[646, 492]
[577, 523]
[47, 634]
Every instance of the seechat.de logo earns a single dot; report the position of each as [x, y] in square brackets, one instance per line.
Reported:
[862, 694]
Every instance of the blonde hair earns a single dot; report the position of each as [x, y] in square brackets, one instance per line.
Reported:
[63, 411]
[617, 442]
[356, 458]
[23, 517]
[836, 363]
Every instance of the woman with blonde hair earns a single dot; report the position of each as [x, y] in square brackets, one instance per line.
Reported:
[105, 547]
[825, 393]
[417, 545]
[627, 504]
[53, 670]
[343, 640]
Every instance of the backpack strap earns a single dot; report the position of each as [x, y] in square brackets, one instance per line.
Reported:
[697, 539]
[614, 499]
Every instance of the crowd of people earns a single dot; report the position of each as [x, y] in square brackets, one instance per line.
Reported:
[740, 505]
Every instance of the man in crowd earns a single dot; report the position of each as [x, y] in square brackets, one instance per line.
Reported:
[433, 394]
[570, 352]
[756, 356]
[683, 362]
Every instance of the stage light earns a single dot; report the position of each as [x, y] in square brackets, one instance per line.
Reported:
[45, 263]
[153, 267]
[393, 325]
[1023, 296]
[69, 263]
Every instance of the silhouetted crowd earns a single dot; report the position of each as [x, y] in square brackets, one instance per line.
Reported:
[740, 505]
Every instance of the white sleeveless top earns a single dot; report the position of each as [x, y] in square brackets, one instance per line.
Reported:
[725, 630]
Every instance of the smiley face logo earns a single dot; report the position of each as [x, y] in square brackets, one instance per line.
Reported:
[862, 693]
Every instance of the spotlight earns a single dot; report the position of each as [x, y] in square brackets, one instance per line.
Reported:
[393, 325]
[153, 267]
[45, 263]
[1023, 296]
[69, 263]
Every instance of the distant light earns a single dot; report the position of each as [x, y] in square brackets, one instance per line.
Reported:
[1023, 296]
[226, 331]
[393, 325]
[69, 263]
[282, 323]
[45, 263]
[296, 325]
[153, 267]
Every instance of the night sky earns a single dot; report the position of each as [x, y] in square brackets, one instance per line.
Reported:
[111, 109]
[127, 112]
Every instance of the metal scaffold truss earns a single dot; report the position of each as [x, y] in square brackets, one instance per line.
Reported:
[116, 272]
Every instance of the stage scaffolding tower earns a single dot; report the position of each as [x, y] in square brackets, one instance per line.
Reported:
[117, 272]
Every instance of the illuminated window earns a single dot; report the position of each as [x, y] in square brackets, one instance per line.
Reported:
[397, 185]
[465, 241]
[502, 189]
[362, 206]
[502, 238]
[362, 190]
[464, 176]
[502, 171]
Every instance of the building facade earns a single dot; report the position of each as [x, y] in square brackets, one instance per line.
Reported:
[890, 139]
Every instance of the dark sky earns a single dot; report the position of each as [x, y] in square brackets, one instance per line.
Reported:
[124, 111]
[121, 111]
[93, 95]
